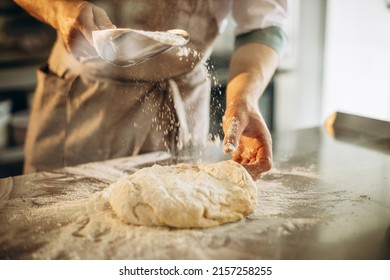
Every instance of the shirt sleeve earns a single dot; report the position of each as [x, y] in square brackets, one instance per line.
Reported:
[260, 21]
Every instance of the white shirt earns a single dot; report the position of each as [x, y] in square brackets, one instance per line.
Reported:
[251, 14]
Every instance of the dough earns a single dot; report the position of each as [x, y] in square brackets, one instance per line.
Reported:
[185, 196]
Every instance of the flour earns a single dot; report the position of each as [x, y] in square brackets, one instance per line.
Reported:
[169, 38]
[185, 196]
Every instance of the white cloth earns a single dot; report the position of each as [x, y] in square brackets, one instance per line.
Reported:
[251, 14]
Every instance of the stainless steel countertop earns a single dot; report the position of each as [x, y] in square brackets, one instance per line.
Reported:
[327, 197]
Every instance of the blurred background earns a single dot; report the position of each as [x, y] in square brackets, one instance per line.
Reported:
[337, 59]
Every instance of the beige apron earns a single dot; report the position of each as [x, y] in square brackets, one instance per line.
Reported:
[93, 111]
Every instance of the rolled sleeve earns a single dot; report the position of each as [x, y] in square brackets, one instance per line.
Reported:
[273, 37]
[260, 21]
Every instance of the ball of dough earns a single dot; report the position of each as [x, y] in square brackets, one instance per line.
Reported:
[185, 196]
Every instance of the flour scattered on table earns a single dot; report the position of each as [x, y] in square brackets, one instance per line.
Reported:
[184, 196]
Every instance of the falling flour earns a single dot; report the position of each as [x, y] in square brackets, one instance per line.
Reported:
[231, 147]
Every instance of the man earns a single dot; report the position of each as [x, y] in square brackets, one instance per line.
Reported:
[88, 110]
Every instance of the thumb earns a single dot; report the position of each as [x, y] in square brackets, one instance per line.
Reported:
[101, 19]
[98, 21]
[232, 135]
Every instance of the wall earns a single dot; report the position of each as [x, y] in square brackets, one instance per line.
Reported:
[357, 58]
[298, 84]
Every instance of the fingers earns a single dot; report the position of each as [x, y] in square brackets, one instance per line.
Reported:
[87, 21]
[255, 154]
[78, 45]
[256, 169]
[78, 37]
[101, 19]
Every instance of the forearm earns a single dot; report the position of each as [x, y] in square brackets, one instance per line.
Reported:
[251, 68]
[47, 11]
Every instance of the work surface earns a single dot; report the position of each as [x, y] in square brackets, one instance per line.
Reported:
[324, 199]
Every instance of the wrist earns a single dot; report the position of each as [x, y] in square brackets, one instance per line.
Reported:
[244, 88]
[65, 13]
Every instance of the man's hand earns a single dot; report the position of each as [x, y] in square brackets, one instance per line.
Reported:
[247, 137]
[76, 21]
